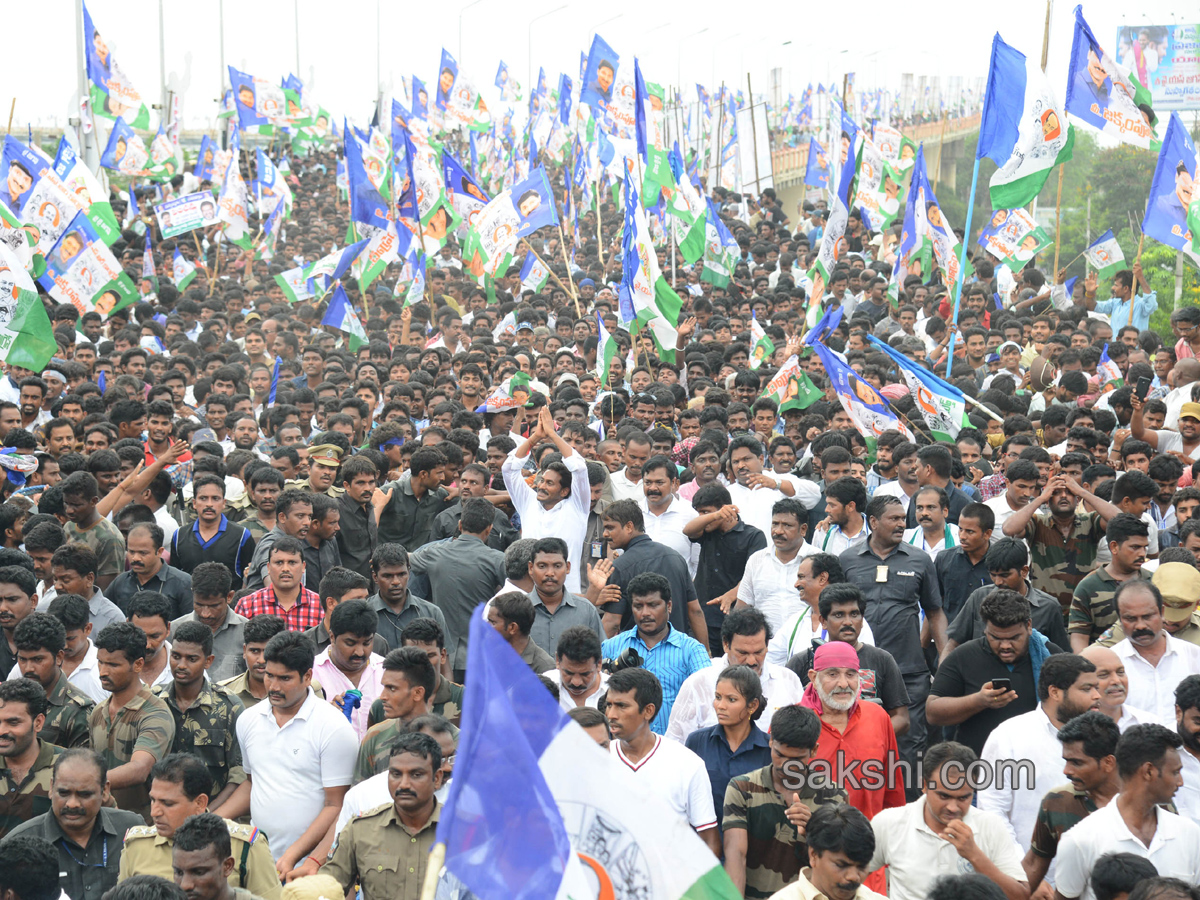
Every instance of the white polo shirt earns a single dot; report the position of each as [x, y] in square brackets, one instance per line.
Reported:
[1174, 850]
[916, 857]
[676, 774]
[86, 676]
[1152, 688]
[754, 505]
[693, 707]
[769, 584]
[290, 767]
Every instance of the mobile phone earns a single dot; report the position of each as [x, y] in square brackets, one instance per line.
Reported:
[1142, 388]
[1002, 684]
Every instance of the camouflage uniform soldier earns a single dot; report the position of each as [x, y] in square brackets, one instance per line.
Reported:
[1063, 542]
[99, 534]
[764, 815]
[265, 486]
[1092, 787]
[133, 729]
[28, 760]
[40, 640]
[205, 714]
[180, 786]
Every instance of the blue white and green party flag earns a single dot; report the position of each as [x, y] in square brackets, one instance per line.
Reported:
[510, 216]
[645, 299]
[125, 152]
[762, 348]
[294, 285]
[1024, 128]
[341, 315]
[791, 387]
[1102, 94]
[80, 183]
[514, 391]
[328, 269]
[868, 409]
[82, 271]
[26, 337]
[112, 93]
[534, 274]
[259, 103]
[1109, 371]
[606, 350]
[720, 249]
[835, 228]
[233, 203]
[1013, 237]
[942, 405]
[1105, 255]
[182, 271]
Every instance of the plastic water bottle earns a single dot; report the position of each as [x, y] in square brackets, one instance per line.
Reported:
[351, 700]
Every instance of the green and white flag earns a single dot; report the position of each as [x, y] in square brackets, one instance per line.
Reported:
[182, 271]
[112, 93]
[791, 387]
[654, 303]
[15, 236]
[687, 210]
[1105, 255]
[26, 338]
[534, 274]
[294, 285]
[606, 349]
[88, 193]
[720, 249]
[761, 346]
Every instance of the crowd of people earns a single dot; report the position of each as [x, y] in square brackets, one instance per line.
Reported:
[240, 562]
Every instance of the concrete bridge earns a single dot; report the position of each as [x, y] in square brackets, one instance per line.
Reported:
[943, 149]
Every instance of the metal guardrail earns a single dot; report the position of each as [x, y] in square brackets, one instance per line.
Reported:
[790, 163]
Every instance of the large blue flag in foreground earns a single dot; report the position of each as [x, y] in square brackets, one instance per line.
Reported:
[537, 810]
[941, 403]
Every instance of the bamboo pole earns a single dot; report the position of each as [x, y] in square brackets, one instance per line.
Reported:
[12, 109]
[1058, 217]
[562, 244]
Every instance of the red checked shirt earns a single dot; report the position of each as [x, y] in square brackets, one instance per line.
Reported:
[305, 614]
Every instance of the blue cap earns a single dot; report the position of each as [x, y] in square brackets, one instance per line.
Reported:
[993, 358]
[521, 325]
[586, 281]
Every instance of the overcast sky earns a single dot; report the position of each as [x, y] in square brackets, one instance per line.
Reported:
[810, 41]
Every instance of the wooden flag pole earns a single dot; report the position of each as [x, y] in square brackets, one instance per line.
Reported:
[562, 244]
[12, 109]
[1058, 218]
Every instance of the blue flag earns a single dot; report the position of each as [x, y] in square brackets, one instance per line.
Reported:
[447, 75]
[274, 383]
[816, 175]
[405, 184]
[597, 85]
[1173, 189]
[942, 405]
[565, 86]
[420, 99]
[204, 159]
[366, 204]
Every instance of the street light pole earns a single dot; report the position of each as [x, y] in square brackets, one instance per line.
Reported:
[460, 21]
[296, 18]
[544, 15]
[162, 63]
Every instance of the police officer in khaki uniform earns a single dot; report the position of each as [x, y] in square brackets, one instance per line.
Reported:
[385, 850]
[323, 463]
[180, 786]
[1179, 584]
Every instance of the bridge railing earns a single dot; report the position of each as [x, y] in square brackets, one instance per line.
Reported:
[790, 163]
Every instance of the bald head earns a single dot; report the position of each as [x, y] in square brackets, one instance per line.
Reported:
[1186, 371]
[1114, 685]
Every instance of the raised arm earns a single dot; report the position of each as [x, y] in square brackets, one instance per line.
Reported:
[1019, 521]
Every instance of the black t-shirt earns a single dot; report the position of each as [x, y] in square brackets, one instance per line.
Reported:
[967, 669]
[879, 677]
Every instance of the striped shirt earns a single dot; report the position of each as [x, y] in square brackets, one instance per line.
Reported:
[672, 660]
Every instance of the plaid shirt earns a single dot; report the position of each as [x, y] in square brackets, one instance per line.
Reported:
[305, 614]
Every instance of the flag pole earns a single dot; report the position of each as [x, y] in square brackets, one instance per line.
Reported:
[1057, 218]
[962, 264]
[938, 172]
[433, 869]
[562, 244]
